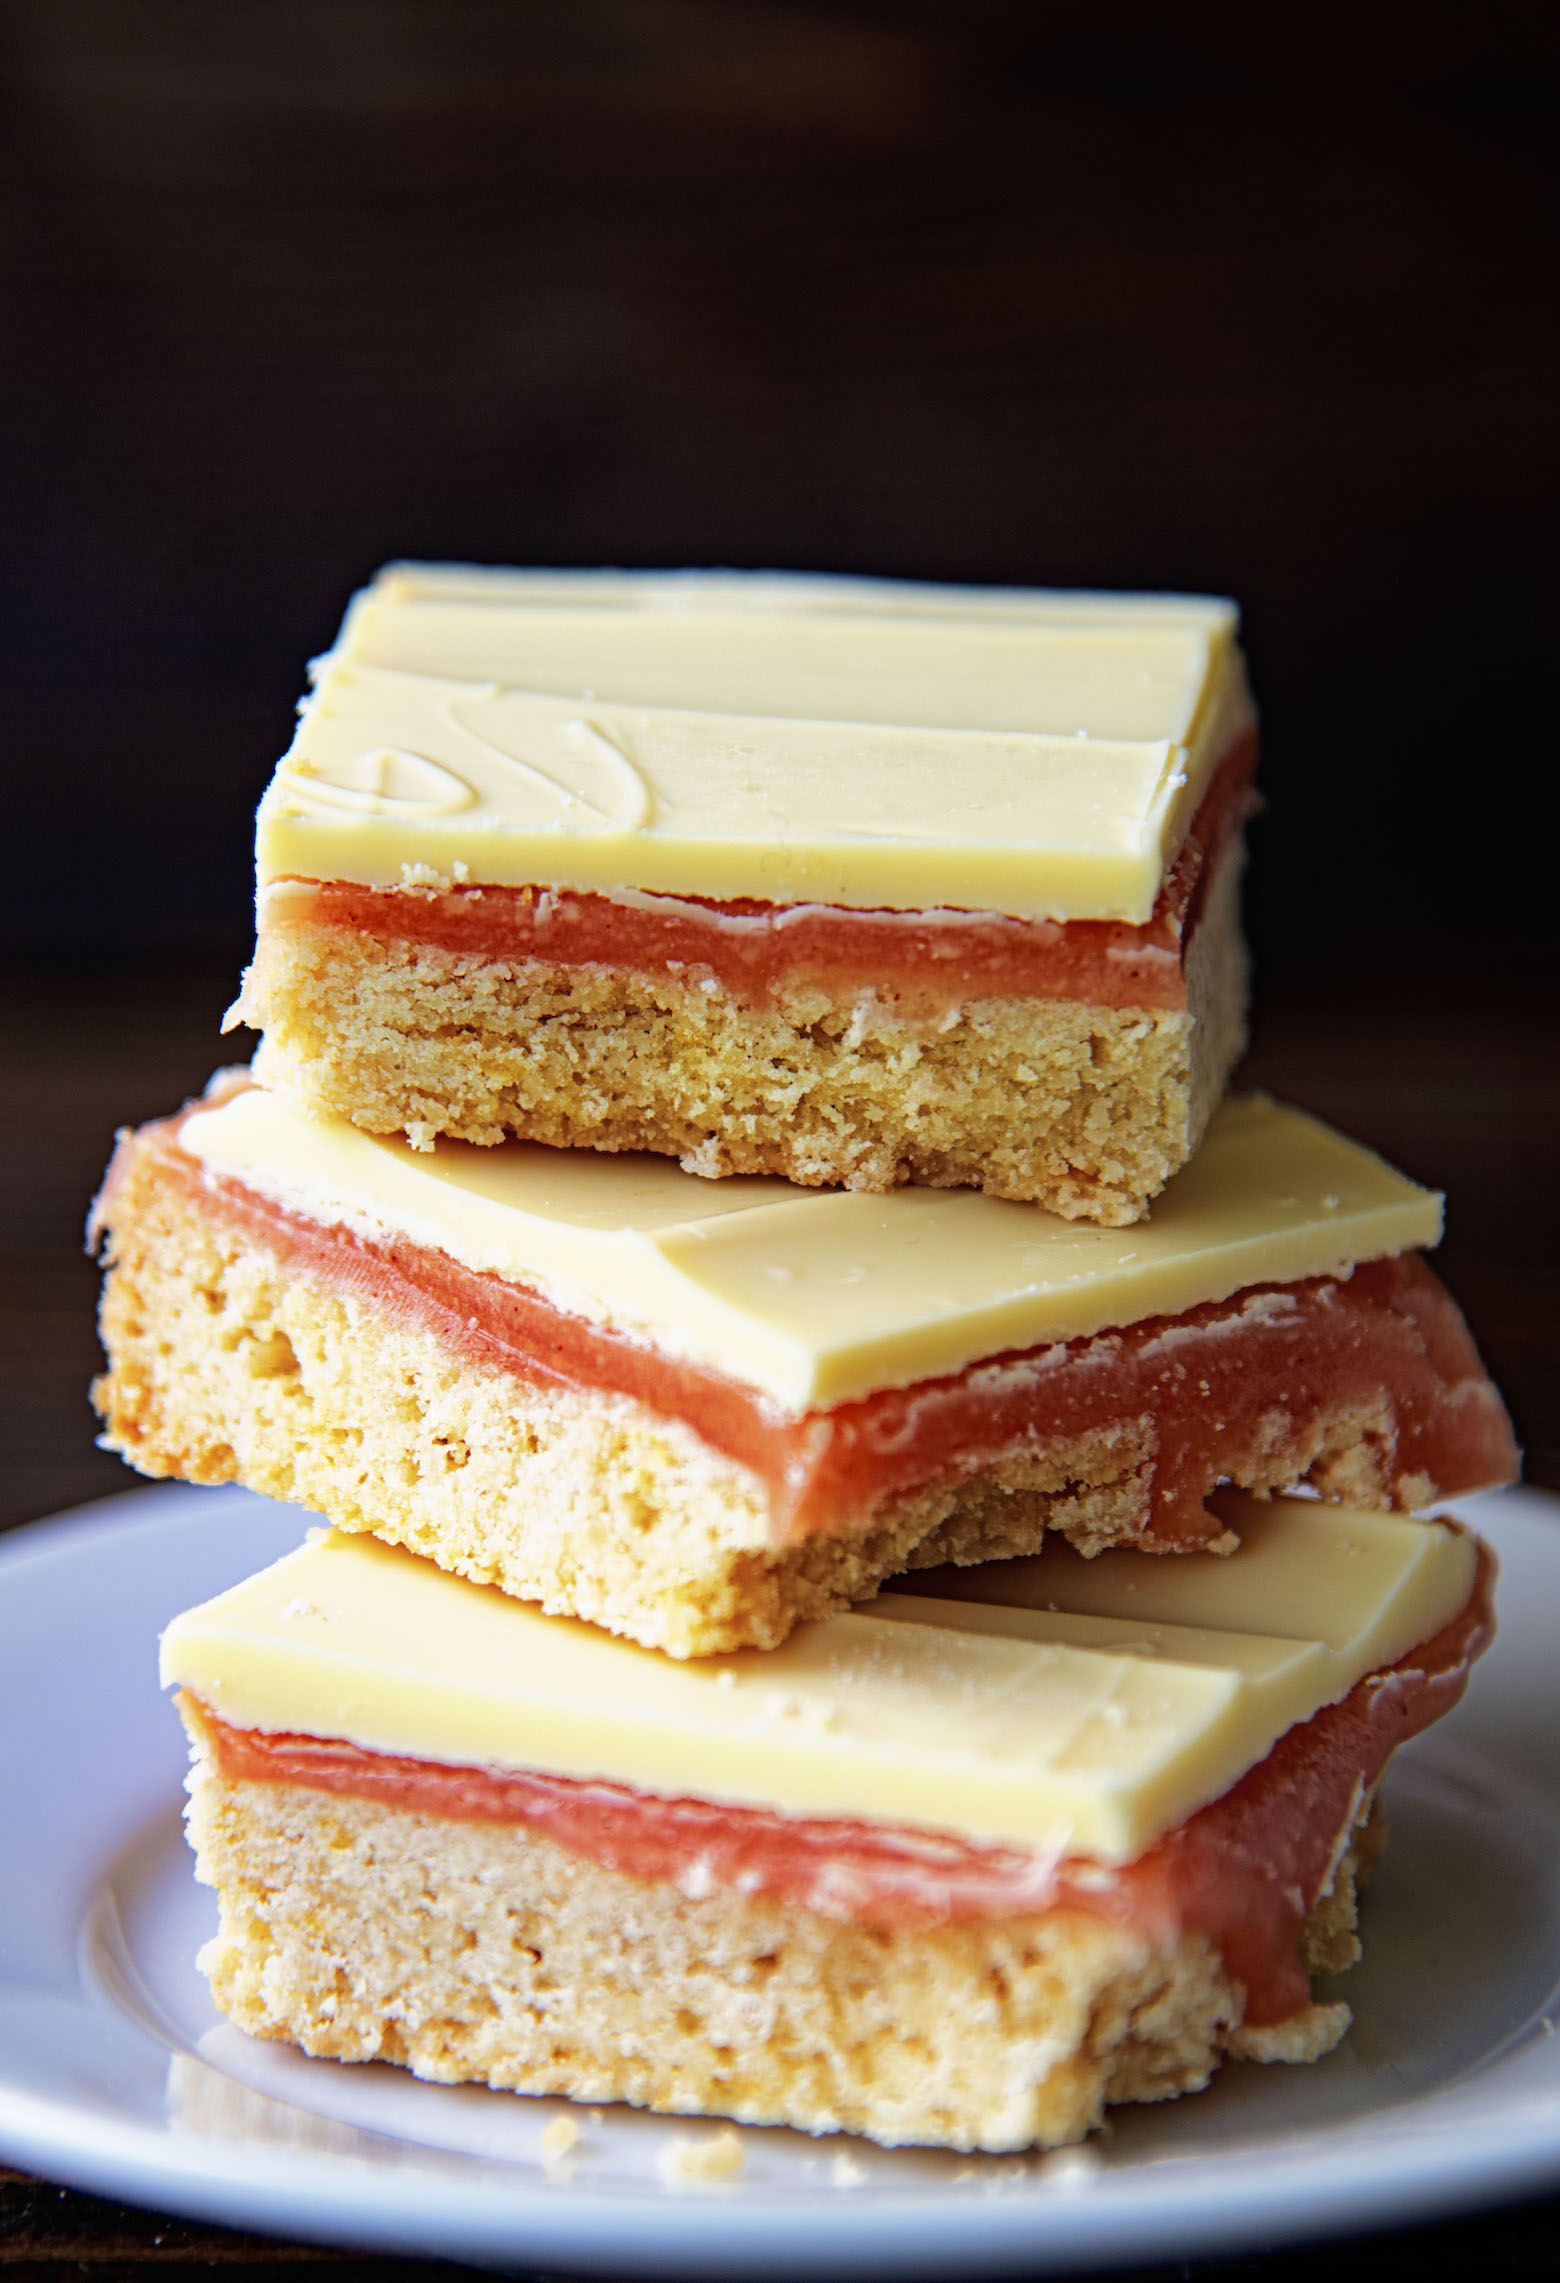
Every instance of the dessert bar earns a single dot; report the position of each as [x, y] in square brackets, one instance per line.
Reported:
[844, 880]
[960, 1872]
[698, 1412]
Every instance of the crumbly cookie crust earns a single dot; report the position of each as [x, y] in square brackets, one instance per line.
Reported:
[469, 1951]
[225, 1365]
[1085, 1109]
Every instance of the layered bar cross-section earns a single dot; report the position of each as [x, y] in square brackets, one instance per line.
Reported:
[696, 1413]
[842, 880]
[958, 1871]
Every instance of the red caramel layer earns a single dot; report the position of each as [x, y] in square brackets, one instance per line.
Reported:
[1245, 1870]
[1210, 1378]
[753, 950]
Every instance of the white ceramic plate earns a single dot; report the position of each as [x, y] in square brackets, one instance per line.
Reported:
[117, 2075]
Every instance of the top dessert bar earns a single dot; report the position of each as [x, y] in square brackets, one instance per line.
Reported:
[844, 880]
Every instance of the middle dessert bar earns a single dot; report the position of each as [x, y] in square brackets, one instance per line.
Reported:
[697, 1413]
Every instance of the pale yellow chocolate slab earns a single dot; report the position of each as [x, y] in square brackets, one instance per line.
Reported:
[857, 742]
[1293, 1553]
[1058, 1730]
[817, 1297]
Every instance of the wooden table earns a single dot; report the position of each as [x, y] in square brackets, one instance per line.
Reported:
[1457, 1082]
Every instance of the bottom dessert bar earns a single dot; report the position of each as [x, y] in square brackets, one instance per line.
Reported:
[1132, 1857]
[466, 1950]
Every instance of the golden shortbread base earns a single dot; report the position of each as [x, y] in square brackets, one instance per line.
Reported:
[1085, 1109]
[469, 1951]
[228, 1365]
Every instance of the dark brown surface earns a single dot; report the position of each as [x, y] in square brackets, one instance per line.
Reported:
[51, 2233]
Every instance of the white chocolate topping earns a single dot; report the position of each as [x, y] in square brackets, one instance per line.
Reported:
[1293, 1554]
[816, 1297]
[860, 742]
[1061, 1730]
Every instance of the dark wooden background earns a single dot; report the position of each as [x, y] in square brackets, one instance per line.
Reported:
[1128, 293]
[1199, 295]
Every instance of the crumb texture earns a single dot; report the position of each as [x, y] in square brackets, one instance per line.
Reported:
[225, 1365]
[468, 1952]
[1085, 1109]
[710, 2161]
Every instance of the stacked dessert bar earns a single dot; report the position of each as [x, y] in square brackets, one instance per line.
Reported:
[808, 1633]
